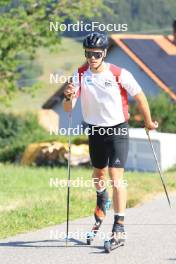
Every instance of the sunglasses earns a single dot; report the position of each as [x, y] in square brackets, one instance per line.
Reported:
[95, 54]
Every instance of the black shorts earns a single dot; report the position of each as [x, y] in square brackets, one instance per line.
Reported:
[108, 146]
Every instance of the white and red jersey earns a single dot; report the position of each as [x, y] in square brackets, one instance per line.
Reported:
[104, 98]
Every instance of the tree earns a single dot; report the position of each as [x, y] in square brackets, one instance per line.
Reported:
[163, 110]
[25, 27]
[144, 16]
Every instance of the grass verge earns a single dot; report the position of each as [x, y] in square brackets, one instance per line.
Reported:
[28, 201]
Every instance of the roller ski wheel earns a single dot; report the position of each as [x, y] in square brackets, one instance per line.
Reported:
[90, 237]
[93, 232]
[107, 246]
[112, 244]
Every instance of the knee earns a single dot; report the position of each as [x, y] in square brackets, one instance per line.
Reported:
[116, 173]
[99, 173]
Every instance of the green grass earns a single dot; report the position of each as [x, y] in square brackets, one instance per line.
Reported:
[28, 202]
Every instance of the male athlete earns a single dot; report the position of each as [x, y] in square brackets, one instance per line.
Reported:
[103, 88]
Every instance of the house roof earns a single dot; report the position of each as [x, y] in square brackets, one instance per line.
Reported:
[56, 98]
[154, 54]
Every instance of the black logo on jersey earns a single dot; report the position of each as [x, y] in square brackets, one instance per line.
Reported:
[108, 83]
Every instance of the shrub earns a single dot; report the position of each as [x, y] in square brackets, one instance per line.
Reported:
[16, 132]
[162, 109]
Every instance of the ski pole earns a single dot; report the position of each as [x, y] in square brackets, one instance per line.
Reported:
[158, 166]
[68, 182]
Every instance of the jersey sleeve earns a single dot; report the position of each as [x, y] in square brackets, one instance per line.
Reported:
[129, 83]
[75, 80]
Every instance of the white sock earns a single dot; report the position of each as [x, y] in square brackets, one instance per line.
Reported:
[120, 214]
[100, 190]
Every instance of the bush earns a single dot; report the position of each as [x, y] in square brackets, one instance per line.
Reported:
[10, 127]
[162, 109]
[16, 132]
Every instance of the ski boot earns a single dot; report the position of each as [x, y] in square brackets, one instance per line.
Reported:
[118, 235]
[103, 204]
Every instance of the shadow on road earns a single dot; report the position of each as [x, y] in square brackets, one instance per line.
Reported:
[60, 244]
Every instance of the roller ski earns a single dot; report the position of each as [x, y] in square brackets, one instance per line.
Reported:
[118, 235]
[103, 204]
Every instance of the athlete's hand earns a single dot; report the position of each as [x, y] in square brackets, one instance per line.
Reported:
[151, 125]
[69, 91]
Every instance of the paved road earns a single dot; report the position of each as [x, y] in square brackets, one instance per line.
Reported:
[151, 230]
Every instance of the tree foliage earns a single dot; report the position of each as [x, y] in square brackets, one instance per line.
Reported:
[163, 110]
[143, 16]
[25, 27]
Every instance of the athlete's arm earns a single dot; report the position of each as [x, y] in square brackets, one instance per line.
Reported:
[145, 110]
[134, 89]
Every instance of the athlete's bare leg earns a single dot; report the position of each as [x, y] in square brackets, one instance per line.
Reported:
[119, 189]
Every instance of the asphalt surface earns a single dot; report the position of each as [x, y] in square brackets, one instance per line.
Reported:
[151, 238]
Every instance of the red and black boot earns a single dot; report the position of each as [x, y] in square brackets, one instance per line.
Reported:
[103, 204]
